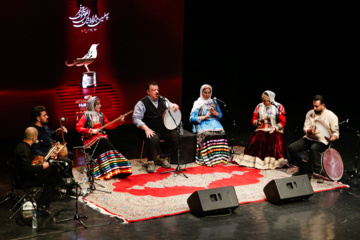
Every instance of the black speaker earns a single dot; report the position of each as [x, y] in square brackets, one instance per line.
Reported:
[213, 201]
[285, 190]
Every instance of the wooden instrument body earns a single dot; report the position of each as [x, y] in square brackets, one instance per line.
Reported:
[39, 160]
[62, 149]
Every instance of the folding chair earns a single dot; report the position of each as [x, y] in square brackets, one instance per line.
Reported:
[29, 190]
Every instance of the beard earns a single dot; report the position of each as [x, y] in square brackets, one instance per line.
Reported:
[318, 112]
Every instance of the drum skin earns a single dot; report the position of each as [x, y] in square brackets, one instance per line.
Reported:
[332, 164]
[171, 119]
[322, 128]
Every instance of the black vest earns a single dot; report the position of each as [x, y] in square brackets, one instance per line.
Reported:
[153, 116]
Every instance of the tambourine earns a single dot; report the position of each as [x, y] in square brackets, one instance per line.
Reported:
[171, 119]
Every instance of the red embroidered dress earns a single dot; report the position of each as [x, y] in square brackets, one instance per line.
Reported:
[266, 150]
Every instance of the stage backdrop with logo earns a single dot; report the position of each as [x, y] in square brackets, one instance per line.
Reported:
[59, 53]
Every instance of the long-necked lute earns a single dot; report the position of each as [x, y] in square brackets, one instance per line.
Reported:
[39, 160]
[89, 139]
[62, 149]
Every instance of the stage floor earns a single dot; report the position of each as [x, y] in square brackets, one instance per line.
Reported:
[326, 215]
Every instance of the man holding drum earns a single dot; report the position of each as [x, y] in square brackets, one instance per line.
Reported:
[321, 127]
[147, 116]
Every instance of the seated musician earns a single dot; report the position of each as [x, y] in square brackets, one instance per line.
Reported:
[109, 161]
[36, 175]
[266, 147]
[147, 116]
[46, 137]
[313, 140]
[205, 116]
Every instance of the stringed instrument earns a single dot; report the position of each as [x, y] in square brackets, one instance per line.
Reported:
[91, 138]
[39, 160]
[62, 149]
[109, 123]
[115, 120]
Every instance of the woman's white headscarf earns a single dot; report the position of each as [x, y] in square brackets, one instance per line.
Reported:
[272, 95]
[201, 100]
[91, 108]
[272, 107]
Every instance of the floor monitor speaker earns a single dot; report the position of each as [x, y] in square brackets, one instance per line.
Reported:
[213, 201]
[285, 190]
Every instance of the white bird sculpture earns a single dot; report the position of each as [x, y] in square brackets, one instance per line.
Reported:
[85, 60]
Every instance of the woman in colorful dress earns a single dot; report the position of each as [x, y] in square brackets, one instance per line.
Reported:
[212, 145]
[109, 162]
[266, 147]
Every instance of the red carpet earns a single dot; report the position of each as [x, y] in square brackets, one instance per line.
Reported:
[144, 196]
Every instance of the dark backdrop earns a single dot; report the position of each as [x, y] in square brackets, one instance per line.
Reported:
[295, 48]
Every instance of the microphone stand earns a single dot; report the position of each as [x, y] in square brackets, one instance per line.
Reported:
[178, 168]
[77, 215]
[233, 125]
[89, 160]
[354, 173]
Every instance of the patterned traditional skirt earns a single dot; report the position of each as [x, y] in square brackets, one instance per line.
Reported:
[264, 151]
[109, 162]
[212, 148]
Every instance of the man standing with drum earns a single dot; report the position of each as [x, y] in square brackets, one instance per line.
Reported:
[321, 127]
[147, 116]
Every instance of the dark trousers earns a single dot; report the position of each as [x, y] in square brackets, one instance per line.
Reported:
[50, 178]
[297, 149]
[65, 170]
[169, 148]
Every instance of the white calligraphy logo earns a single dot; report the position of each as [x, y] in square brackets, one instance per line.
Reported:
[84, 18]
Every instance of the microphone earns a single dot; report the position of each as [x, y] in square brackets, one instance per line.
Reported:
[57, 161]
[344, 122]
[63, 119]
[216, 99]
[163, 98]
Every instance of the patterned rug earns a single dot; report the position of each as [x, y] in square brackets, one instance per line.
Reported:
[144, 196]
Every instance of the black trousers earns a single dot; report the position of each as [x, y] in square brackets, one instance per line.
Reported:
[169, 148]
[50, 178]
[296, 150]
